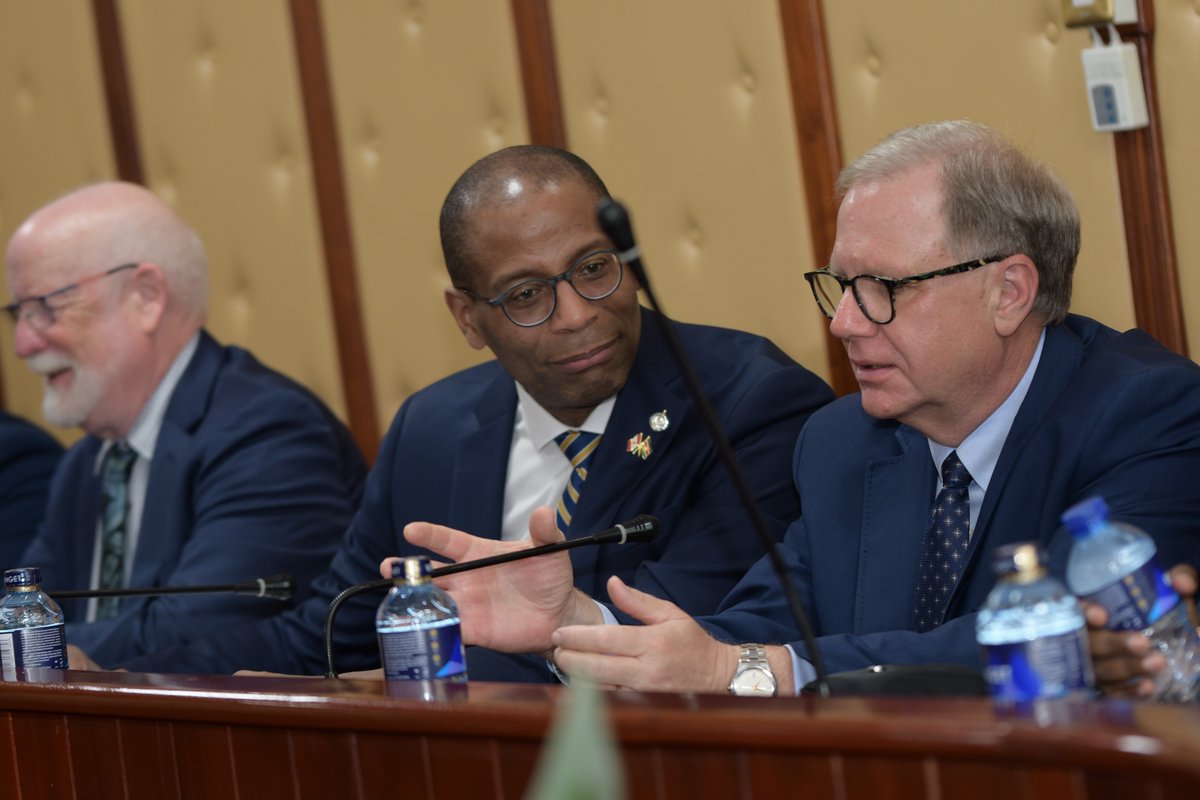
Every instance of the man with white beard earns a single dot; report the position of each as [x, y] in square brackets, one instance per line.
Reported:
[200, 465]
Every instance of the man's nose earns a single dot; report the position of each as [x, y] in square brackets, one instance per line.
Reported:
[572, 310]
[27, 340]
[848, 319]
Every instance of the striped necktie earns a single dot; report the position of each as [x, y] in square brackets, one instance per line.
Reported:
[945, 550]
[114, 518]
[578, 447]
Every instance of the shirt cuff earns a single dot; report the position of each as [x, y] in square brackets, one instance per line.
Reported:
[803, 673]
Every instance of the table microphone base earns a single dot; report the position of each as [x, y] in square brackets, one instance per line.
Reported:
[906, 680]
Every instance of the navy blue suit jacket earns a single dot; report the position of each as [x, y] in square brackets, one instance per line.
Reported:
[252, 475]
[445, 458]
[1107, 413]
[28, 456]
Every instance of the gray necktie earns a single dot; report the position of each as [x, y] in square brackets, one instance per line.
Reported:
[114, 520]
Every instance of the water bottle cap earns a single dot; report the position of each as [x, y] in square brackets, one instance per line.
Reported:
[1085, 515]
[1022, 557]
[22, 576]
[414, 569]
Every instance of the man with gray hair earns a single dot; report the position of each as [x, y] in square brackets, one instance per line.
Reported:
[948, 285]
[200, 465]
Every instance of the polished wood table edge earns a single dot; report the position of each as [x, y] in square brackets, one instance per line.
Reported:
[1127, 733]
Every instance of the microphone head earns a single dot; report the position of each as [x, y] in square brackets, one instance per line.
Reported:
[642, 528]
[614, 221]
[278, 587]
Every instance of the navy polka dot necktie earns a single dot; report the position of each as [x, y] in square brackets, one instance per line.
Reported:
[945, 549]
[578, 447]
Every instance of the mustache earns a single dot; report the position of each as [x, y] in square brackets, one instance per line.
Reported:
[46, 363]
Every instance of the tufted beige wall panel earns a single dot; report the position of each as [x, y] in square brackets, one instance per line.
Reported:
[53, 133]
[1177, 52]
[683, 107]
[1010, 65]
[421, 90]
[218, 111]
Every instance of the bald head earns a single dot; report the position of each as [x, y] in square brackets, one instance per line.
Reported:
[106, 224]
[108, 286]
[506, 176]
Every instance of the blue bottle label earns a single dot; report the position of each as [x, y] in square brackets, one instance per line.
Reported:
[1138, 600]
[1050, 666]
[44, 646]
[416, 654]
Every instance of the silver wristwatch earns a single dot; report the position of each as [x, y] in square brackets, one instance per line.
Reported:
[753, 677]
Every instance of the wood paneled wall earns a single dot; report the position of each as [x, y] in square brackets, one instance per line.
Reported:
[311, 143]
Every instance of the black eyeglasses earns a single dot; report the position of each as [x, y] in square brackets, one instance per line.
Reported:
[876, 296]
[39, 313]
[531, 302]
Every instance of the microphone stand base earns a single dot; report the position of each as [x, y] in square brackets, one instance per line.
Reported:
[905, 680]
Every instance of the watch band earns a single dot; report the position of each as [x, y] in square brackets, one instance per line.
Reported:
[753, 676]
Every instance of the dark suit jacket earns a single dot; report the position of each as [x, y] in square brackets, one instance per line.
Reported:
[28, 456]
[252, 475]
[1107, 413]
[445, 459]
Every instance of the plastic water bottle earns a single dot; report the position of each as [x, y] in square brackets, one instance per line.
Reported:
[1114, 565]
[1032, 631]
[31, 624]
[420, 638]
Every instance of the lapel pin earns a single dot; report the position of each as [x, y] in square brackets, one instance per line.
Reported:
[639, 445]
[659, 421]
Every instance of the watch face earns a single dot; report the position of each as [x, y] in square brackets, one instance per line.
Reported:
[753, 682]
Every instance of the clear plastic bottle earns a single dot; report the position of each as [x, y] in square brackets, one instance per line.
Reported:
[420, 638]
[31, 623]
[1032, 631]
[1115, 565]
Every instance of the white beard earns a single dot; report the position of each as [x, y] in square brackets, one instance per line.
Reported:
[67, 408]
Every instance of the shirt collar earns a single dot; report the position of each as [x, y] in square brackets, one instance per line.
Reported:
[144, 433]
[980, 451]
[543, 427]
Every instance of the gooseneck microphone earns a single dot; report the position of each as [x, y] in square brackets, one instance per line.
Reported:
[642, 528]
[614, 221]
[276, 587]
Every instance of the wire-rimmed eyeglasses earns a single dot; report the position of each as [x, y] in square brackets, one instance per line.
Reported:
[38, 312]
[531, 302]
[876, 296]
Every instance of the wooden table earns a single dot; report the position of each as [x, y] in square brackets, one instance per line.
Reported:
[102, 735]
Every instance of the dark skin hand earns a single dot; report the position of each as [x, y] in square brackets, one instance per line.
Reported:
[1125, 660]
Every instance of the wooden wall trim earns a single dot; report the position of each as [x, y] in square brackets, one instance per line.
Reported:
[818, 139]
[1146, 205]
[539, 72]
[117, 94]
[332, 207]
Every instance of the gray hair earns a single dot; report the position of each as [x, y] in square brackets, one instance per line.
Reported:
[997, 200]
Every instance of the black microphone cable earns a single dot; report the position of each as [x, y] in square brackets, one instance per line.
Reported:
[614, 221]
[642, 528]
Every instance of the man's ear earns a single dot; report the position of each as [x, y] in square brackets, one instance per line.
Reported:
[461, 308]
[148, 293]
[1015, 293]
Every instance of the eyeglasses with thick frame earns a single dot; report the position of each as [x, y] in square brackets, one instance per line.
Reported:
[38, 312]
[821, 282]
[525, 304]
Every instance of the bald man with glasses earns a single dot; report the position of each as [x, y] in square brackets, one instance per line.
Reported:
[199, 465]
[582, 420]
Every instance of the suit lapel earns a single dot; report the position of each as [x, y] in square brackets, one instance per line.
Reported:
[481, 464]
[185, 410]
[617, 468]
[1061, 356]
[898, 491]
[87, 514]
